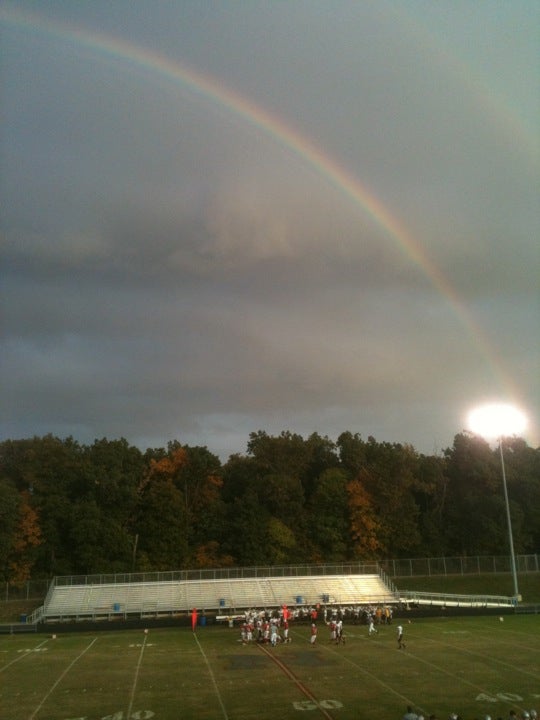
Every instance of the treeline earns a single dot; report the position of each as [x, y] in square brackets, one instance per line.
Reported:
[67, 508]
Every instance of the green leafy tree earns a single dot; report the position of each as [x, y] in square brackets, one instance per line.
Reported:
[280, 542]
[430, 493]
[283, 496]
[247, 539]
[522, 464]
[392, 469]
[161, 527]
[116, 471]
[328, 512]
[68, 508]
[321, 456]
[9, 508]
[200, 480]
[281, 467]
[352, 453]
[55, 474]
[286, 454]
[474, 513]
[191, 477]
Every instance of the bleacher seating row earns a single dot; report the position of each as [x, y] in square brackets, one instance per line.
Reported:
[153, 599]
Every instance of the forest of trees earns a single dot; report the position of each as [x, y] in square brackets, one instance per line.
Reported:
[67, 508]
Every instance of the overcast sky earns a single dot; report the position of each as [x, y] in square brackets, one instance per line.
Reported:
[221, 217]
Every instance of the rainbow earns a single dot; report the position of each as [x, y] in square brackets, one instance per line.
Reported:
[151, 63]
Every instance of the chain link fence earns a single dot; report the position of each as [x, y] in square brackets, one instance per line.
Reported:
[475, 565]
[30, 590]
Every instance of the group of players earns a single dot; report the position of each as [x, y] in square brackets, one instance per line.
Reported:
[273, 627]
[264, 627]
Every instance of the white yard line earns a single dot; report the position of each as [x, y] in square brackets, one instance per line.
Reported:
[24, 654]
[373, 677]
[223, 710]
[62, 676]
[452, 675]
[135, 679]
[491, 659]
[419, 659]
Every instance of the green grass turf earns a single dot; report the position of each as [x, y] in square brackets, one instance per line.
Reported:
[467, 665]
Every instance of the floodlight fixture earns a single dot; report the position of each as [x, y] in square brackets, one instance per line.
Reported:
[494, 422]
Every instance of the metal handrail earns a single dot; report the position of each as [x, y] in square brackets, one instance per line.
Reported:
[452, 599]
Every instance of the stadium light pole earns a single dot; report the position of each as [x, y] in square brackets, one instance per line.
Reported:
[494, 422]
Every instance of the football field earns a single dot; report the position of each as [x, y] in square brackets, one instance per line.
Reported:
[471, 666]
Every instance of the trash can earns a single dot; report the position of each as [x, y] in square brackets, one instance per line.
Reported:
[202, 621]
[222, 602]
[116, 607]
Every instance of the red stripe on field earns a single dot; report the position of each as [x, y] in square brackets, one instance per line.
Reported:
[299, 684]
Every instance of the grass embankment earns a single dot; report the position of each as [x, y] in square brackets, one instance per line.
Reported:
[12, 610]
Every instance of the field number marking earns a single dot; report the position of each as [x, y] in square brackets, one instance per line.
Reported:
[317, 704]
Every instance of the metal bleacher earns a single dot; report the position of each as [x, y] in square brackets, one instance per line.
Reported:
[68, 600]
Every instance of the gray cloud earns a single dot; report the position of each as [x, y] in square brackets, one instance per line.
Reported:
[171, 269]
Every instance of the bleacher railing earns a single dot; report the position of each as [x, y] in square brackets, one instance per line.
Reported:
[397, 568]
[237, 573]
[452, 600]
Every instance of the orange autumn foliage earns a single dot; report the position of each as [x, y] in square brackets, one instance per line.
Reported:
[27, 537]
[364, 526]
[170, 464]
[209, 556]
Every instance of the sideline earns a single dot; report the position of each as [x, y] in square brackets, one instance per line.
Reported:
[299, 684]
[62, 676]
[22, 656]
[223, 710]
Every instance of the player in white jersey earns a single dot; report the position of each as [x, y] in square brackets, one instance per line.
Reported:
[400, 642]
